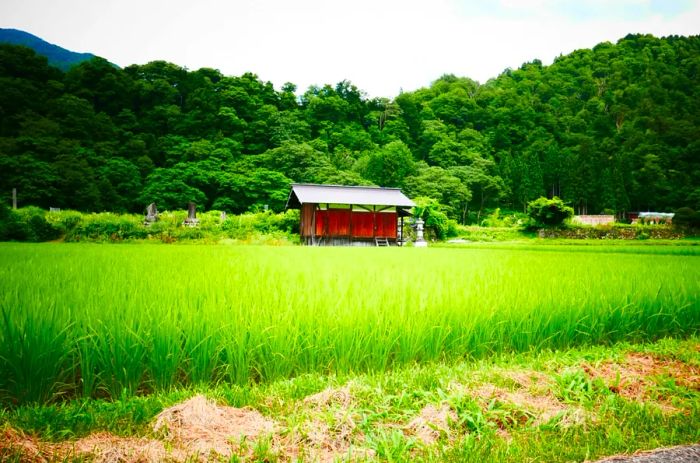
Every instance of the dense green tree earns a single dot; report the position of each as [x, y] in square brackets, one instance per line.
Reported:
[167, 188]
[36, 181]
[549, 212]
[390, 165]
[254, 190]
[295, 160]
[487, 187]
[119, 183]
[77, 182]
[99, 82]
[439, 184]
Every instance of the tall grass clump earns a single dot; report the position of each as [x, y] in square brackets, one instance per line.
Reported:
[104, 321]
[34, 355]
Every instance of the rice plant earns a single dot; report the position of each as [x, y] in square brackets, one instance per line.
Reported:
[108, 320]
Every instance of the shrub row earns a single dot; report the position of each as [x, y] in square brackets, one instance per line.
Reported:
[26, 224]
[34, 224]
[474, 233]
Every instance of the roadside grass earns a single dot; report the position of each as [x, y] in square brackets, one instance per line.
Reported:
[541, 405]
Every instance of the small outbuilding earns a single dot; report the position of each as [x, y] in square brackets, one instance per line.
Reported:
[594, 219]
[349, 215]
[654, 217]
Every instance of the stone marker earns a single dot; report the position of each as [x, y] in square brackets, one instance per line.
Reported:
[191, 220]
[151, 214]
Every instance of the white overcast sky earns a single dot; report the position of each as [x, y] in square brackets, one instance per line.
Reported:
[381, 46]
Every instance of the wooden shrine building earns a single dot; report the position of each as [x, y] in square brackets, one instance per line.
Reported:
[345, 215]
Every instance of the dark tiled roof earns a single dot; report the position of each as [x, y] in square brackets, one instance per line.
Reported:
[303, 193]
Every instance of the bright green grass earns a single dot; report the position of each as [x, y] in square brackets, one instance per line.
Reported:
[114, 320]
[383, 404]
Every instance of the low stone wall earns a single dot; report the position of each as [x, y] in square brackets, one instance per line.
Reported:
[613, 233]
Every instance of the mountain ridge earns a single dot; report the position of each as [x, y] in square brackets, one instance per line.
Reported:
[58, 56]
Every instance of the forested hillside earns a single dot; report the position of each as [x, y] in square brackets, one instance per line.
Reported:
[612, 128]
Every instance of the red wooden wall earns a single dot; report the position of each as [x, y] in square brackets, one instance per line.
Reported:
[306, 227]
[340, 222]
[363, 224]
[386, 224]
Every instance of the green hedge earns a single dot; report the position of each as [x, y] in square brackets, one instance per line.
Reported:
[475, 233]
[34, 224]
[26, 224]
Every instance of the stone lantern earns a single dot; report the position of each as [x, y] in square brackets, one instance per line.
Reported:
[420, 241]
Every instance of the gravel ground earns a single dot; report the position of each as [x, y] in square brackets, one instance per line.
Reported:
[682, 454]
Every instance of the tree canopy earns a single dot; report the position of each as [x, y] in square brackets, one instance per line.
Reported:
[616, 127]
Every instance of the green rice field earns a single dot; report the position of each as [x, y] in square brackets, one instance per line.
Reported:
[87, 320]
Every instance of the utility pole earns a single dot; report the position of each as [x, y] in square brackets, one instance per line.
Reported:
[14, 198]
